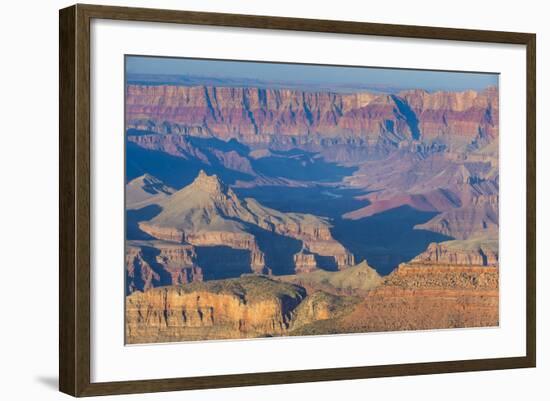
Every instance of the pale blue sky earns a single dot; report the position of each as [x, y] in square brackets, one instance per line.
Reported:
[304, 75]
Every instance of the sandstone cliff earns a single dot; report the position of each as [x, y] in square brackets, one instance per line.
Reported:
[465, 253]
[251, 306]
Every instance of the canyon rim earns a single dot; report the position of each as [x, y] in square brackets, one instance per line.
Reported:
[272, 199]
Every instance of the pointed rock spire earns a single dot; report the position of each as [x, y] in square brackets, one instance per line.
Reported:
[209, 183]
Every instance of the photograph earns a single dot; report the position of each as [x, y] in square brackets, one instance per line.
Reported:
[269, 199]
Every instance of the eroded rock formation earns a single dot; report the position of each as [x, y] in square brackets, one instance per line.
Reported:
[452, 253]
[251, 306]
[151, 264]
[305, 262]
[209, 213]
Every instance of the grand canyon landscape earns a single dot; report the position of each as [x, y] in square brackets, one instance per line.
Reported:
[267, 206]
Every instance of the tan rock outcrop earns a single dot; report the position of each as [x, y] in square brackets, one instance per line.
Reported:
[239, 308]
[305, 262]
[453, 254]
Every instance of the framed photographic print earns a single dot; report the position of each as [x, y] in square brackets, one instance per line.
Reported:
[348, 200]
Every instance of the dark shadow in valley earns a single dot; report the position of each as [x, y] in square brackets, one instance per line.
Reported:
[133, 217]
[326, 263]
[410, 116]
[174, 171]
[319, 200]
[278, 250]
[135, 281]
[388, 238]
[220, 262]
[209, 144]
[300, 165]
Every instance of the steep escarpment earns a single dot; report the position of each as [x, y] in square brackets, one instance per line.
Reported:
[470, 115]
[251, 306]
[475, 252]
[152, 264]
[263, 116]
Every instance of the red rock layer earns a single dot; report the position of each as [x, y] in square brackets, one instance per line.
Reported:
[450, 113]
[256, 115]
[417, 297]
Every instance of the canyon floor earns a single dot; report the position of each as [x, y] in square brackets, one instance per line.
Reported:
[254, 212]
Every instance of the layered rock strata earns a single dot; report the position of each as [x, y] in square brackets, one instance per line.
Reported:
[420, 297]
[256, 115]
[245, 307]
[414, 297]
[451, 254]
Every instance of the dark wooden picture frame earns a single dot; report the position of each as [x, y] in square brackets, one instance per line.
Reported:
[74, 202]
